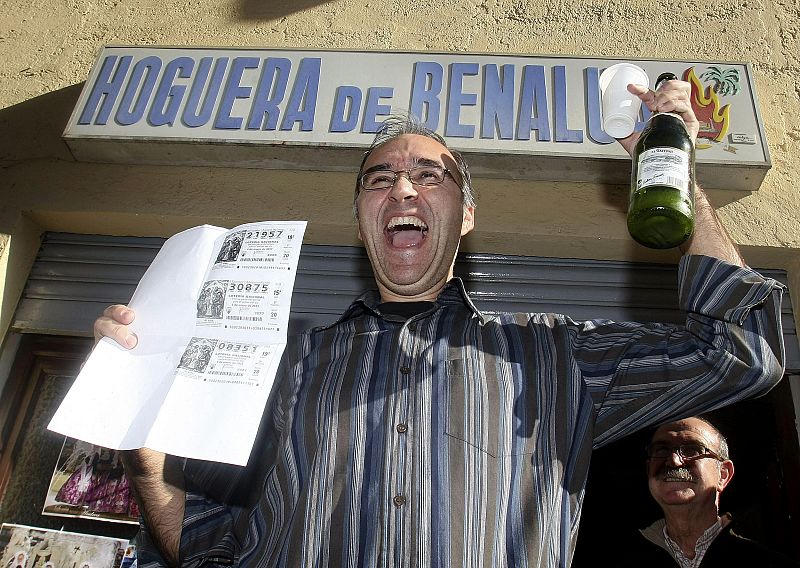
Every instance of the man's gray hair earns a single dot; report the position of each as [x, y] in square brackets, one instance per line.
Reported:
[398, 125]
[723, 451]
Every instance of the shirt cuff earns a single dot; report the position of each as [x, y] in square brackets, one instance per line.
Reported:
[206, 539]
[721, 290]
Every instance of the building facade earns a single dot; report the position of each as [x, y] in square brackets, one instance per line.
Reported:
[46, 192]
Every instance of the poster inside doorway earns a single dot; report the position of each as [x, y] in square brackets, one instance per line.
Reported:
[89, 482]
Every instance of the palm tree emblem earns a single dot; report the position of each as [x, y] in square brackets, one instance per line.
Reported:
[726, 82]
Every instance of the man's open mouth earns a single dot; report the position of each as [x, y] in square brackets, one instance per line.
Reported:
[404, 232]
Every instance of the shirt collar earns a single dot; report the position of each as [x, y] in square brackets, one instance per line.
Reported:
[657, 534]
[700, 546]
[453, 293]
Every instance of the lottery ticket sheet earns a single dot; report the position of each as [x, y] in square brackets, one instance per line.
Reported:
[212, 312]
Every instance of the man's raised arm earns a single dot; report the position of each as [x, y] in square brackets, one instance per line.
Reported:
[156, 478]
[710, 237]
[157, 481]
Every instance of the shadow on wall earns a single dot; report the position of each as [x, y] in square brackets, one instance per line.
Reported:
[32, 129]
[273, 10]
[32, 132]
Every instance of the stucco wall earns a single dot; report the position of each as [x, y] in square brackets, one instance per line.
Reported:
[47, 48]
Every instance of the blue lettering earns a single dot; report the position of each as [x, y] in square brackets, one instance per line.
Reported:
[105, 88]
[302, 102]
[457, 98]
[134, 101]
[533, 94]
[498, 102]
[425, 89]
[373, 108]
[346, 108]
[270, 91]
[594, 124]
[563, 133]
[233, 90]
[192, 117]
[169, 94]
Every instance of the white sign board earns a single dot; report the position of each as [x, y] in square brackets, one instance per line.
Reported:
[278, 108]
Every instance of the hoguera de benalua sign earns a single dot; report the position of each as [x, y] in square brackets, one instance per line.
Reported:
[516, 116]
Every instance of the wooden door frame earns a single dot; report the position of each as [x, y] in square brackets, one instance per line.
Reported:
[38, 357]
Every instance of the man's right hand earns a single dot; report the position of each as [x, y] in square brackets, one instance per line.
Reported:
[157, 478]
[114, 324]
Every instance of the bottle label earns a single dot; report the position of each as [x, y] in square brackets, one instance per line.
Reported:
[663, 166]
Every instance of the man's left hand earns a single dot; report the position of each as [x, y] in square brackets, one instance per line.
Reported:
[672, 96]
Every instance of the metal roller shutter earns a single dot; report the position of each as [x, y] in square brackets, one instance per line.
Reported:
[75, 276]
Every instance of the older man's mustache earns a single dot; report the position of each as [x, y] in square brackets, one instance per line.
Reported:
[676, 474]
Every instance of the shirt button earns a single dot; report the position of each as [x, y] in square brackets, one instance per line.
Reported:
[412, 326]
[398, 500]
[405, 370]
[402, 428]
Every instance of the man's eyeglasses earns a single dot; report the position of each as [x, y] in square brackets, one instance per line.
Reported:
[687, 452]
[426, 176]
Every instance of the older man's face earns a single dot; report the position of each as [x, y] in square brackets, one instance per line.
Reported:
[411, 232]
[677, 481]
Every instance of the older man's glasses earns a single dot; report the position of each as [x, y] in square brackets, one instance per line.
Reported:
[426, 176]
[687, 452]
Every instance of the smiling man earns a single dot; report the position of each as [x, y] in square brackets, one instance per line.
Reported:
[412, 213]
[418, 431]
[688, 468]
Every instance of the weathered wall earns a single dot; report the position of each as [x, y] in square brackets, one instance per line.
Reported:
[48, 46]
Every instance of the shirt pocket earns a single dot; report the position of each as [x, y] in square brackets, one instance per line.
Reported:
[488, 413]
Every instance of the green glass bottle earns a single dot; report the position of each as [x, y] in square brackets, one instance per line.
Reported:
[661, 207]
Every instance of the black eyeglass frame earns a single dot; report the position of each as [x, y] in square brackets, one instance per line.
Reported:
[396, 174]
[705, 452]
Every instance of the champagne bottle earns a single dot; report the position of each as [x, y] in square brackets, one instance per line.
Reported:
[661, 207]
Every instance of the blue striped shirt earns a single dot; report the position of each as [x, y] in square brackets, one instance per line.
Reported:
[460, 439]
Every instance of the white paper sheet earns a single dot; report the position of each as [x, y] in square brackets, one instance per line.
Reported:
[211, 317]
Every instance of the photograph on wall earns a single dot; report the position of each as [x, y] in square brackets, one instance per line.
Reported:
[30, 547]
[89, 482]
